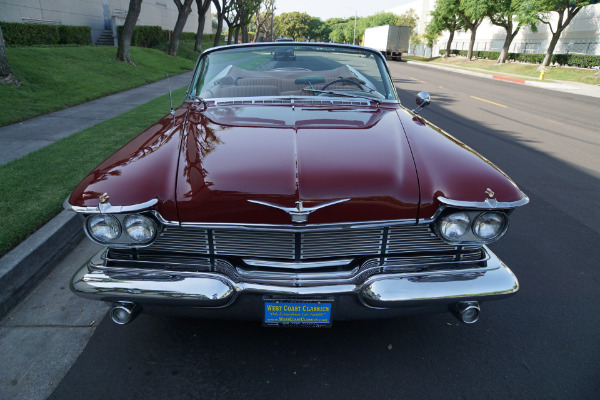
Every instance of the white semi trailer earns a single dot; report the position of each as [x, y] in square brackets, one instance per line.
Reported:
[391, 40]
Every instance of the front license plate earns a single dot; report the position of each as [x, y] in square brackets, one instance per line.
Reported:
[308, 313]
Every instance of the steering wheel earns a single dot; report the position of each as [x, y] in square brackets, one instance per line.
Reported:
[343, 80]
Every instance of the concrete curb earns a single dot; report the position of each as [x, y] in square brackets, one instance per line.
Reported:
[26, 264]
[581, 89]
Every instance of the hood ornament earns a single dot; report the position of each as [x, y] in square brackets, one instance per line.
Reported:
[490, 193]
[299, 213]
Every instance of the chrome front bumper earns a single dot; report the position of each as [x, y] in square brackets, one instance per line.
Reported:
[216, 295]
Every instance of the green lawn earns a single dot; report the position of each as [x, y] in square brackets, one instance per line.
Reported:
[34, 187]
[583, 75]
[54, 78]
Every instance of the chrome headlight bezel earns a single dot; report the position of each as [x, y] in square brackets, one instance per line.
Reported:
[469, 236]
[124, 239]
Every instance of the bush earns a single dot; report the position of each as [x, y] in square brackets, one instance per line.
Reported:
[188, 36]
[74, 34]
[145, 35]
[572, 60]
[19, 34]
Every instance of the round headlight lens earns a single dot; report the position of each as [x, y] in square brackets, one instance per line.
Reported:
[140, 228]
[454, 226]
[489, 225]
[104, 228]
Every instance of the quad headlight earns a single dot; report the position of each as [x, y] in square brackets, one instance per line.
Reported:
[454, 226]
[104, 228]
[489, 225]
[140, 228]
[121, 230]
[471, 226]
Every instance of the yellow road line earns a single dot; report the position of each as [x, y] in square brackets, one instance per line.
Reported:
[414, 79]
[491, 102]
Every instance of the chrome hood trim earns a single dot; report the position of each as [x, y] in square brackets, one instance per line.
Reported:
[487, 204]
[107, 208]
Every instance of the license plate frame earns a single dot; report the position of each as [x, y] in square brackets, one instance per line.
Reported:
[307, 313]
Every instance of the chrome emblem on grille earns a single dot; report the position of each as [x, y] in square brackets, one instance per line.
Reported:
[299, 213]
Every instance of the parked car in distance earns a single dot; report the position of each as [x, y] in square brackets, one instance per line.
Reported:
[295, 196]
[284, 53]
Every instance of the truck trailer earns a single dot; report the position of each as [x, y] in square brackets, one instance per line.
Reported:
[391, 40]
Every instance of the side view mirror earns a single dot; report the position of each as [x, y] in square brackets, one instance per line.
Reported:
[423, 100]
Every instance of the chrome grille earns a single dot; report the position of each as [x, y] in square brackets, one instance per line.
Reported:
[350, 242]
[182, 240]
[265, 244]
[402, 239]
[281, 245]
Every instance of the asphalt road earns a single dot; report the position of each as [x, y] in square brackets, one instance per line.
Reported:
[543, 343]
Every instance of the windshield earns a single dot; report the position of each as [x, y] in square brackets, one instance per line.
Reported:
[291, 70]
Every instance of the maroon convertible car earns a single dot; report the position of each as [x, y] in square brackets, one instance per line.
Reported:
[294, 192]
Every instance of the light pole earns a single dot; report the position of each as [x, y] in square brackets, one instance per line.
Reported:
[355, 15]
[272, 12]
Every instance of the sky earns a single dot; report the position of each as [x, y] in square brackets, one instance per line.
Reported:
[325, 9]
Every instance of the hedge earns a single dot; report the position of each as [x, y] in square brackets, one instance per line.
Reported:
[572, 60]
[152, 36]
[146, 35]
[19, 34]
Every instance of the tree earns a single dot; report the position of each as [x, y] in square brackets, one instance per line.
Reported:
[473, 13]
[184, 9]
[244, 10]
[262, 21]
[223, 8]
[203, 6]
[294, 24]
[5, 75]
[505, 13]
[409, 18]
[446, 17]
[135, 7]
[566, 10]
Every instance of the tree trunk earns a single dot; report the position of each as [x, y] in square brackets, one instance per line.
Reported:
[550, 50]
[184, 11]
[245, 34]
[507, 41]
[472, 43]
[127, 33]
[229, 32]
[202, 8]
[5, 75]
[237, 34]
[219, 23]
[449, 44]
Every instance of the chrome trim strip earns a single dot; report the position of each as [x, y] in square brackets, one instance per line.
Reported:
[107, 208]
[294, 100]
[297, 265]
[487, 204]
[294, 228]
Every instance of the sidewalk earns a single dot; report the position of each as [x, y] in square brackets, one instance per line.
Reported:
[22, 267]
[561, 86]
[19, 139]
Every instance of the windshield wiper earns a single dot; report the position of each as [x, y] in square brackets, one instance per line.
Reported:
[343, 94]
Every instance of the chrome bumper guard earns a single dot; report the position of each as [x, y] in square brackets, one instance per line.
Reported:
[215, 290]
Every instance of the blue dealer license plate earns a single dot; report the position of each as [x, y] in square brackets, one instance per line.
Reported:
[313, 313]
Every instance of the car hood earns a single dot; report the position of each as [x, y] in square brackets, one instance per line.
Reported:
[282, 155]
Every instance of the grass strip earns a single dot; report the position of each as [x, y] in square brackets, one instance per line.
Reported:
[582, 75]
[53, 78]
[33, 188]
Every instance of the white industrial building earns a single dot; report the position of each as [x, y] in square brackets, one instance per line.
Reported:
[100, 15]
[581, 36]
